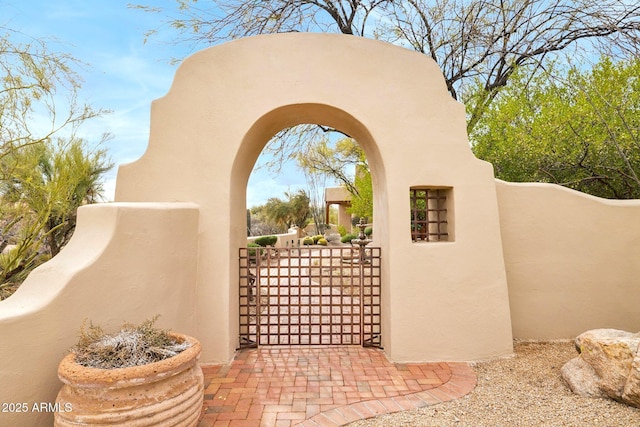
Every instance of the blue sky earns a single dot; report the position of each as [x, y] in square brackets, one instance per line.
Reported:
[123, 74]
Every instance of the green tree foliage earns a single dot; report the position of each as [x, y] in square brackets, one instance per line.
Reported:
[46, 172]
[56, 180]
[39, 202]
[36, 83]
[276, 212]
[362, 203]
[265, 241]
[335, 161]
[346, 162]
[581, 131]
[299, 208]
[283, 214]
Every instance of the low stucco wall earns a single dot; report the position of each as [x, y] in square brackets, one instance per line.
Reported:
[287, 240]
[572, 260]
[125, 262]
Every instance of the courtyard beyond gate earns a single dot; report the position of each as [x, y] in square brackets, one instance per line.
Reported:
[310, 296]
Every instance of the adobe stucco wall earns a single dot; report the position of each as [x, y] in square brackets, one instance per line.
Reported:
[339, 198]
[572, 260]
[441, 301]
[287, 240]
[125, 262]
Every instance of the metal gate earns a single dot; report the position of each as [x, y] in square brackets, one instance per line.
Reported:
[310, 296]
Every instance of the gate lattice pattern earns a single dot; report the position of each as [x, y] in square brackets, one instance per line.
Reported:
[309, 296]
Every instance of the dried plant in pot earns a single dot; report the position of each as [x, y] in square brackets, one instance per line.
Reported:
[139, 376]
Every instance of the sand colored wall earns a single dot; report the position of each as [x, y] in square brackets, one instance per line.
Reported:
[337, 195]
[572, 260]
[125, 262]
[441, 301]
[344, 217]
[286, 240]
[340, 198]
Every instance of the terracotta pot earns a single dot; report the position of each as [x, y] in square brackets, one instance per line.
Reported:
[165, 393]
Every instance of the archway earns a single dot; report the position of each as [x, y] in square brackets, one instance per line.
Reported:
[294, 294]
[311, 177]
[444, 299]
[291, 115]
[253, 144]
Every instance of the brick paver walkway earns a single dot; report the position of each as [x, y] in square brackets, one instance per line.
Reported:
[323, 386]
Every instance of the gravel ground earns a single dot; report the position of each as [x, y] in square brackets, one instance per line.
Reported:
[525, 390]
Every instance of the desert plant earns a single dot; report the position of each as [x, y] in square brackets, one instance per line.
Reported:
[140, 375]
[308, 241]
[252, 251]
[265, 241]
[347, 238]
[342, 230]
[132, 345]
[323, 242]
[368, 231]
[317, 237]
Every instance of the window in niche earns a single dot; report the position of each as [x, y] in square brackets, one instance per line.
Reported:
[429, 214]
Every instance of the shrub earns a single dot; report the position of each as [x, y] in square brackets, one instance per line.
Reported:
[252, 251]
[342, 230]
[323, 242]
[368, 231]
[347, 238]
[265, 241]
[308, 241]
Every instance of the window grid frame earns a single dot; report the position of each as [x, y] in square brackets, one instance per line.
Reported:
[429, 214]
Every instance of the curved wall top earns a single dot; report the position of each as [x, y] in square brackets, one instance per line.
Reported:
[227, 101]
[339, 80]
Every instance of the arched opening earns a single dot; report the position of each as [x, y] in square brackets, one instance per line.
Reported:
[337, 262]
[313, 179]
[287, 116]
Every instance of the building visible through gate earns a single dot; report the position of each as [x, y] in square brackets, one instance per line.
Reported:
[310, 296]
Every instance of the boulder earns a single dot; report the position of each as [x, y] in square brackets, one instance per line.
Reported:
[631, 394]
[581, 378]
[608, 365]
